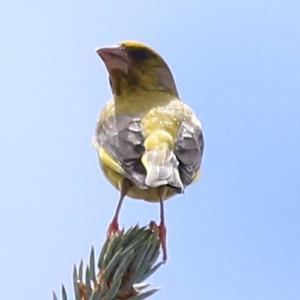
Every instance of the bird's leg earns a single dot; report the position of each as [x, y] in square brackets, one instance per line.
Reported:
[162, 227]
[114, 225]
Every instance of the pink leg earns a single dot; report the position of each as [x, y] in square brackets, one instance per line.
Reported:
[114, 225]
[162, 227]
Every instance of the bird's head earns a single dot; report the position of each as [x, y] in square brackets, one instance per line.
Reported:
[134, 67]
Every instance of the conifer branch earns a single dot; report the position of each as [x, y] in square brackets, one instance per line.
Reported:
[125, 261]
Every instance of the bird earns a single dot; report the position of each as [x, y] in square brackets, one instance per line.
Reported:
[148, 141]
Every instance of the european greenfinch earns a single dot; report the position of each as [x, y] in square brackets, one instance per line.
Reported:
[149, 143]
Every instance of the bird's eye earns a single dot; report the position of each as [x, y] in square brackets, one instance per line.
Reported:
[123, 48]
[139, 55]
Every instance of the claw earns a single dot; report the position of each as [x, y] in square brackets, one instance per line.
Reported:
[113, 228]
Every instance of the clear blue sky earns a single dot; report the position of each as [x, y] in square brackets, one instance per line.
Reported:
[235, 235]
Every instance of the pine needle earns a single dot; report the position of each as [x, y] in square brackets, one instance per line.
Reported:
[126, 259]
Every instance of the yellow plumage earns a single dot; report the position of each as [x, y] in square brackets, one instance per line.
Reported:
[159, 124]
[149, 143]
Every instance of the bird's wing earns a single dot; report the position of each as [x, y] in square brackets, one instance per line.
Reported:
[189, 149]
[121, 137]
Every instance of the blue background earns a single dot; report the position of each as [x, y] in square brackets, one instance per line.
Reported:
[236, 233]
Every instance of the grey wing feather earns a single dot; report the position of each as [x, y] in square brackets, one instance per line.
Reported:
[189, 150]
[121, 136]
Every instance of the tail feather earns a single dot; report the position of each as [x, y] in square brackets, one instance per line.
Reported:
[162, 169]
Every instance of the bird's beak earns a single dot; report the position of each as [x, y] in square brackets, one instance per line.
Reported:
[115, 58]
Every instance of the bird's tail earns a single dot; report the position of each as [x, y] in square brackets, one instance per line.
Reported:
[160, 161]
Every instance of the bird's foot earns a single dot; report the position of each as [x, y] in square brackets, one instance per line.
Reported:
[113, 228]
[162, 236]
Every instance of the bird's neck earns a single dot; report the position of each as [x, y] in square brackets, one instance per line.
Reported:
[131, 83]
[141, 101]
